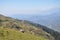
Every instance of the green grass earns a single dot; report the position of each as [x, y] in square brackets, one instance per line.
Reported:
[11, 27]
[11, 34]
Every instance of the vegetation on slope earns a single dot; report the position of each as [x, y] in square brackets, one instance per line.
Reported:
[11, 34]
[10, 23]
[54, 33]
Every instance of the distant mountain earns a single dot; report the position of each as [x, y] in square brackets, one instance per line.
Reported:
[50, 18]
[52, 21]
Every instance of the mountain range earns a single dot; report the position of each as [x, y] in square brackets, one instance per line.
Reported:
[50, 18]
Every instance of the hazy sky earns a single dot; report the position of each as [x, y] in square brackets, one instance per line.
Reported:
[10, 7]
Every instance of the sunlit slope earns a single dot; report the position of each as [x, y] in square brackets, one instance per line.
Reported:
[29, 28]
[11, 34]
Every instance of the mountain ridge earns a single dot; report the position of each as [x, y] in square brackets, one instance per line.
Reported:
[28, 26]
[52, 20]
[8, 22]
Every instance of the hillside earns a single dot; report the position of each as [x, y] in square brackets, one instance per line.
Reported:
[30, 31]
[10, 34]
[49, 18]
[54, 33]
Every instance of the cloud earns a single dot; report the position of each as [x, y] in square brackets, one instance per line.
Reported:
[15, 10]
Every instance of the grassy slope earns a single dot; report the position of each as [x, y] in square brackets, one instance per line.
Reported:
[12, 23]
[11, 34]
